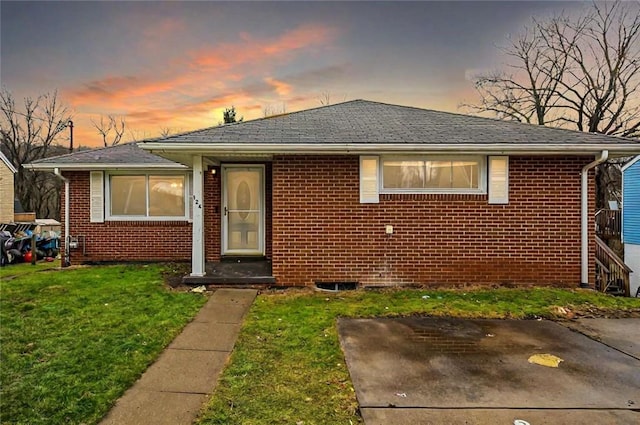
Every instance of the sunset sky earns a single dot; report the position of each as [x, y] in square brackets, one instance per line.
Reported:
[177, 65]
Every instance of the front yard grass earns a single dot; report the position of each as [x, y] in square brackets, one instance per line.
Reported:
[14, 270]
[72, 341]
[288, 368]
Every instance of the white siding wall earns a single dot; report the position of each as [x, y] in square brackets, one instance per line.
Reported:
[632, 259]
[631, 203]
[6, 194]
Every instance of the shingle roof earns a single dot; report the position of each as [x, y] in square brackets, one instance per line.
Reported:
[351, 126]
[126, 153]
[363, 122]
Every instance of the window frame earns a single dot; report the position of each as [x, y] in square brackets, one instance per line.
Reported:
[107, 196]
[482, 174]
[492, 180]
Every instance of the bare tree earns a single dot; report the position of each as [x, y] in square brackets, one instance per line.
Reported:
[137, 135]
[324, 98]
[581, 73]
[169, 131]
[601, 89]
[528, 90]
[27, 134]
[111, 129]
[272, 110]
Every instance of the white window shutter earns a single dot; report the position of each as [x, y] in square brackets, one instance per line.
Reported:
[96, 189]
[369, 180]
[498, 179]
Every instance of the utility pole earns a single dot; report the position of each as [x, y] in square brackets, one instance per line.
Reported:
[70, 125]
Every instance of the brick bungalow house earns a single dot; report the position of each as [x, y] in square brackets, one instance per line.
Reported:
[359, 191]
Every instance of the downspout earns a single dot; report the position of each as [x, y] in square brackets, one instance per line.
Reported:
[65, 259]
[584, 278]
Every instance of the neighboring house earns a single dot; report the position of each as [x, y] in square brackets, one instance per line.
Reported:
[631, 220]
[7, 170]
[360, 191]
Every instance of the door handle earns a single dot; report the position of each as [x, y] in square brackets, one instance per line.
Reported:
[225, 211]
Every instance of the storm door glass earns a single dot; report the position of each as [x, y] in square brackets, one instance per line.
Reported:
[243, 210]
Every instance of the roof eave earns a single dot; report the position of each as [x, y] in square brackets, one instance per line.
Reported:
[98, 166]
[8, 163]
[159, 148]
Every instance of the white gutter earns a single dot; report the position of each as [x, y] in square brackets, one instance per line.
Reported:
[98, 166]
[379, 148]
[65, 260]
[584, 278]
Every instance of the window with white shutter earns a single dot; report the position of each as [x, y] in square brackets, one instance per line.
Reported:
[96, 190]
[369, 180]
[498, 179]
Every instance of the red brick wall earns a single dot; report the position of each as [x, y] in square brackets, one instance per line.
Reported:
[322, 233]
[122, 240]
[212, 204]
[154, 240]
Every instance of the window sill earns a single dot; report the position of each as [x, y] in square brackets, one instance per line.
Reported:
[134, 218]
[147, 223]
[433, 196]
[432, 192]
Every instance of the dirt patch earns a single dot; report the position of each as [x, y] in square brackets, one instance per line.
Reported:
[173, 274]
[591, 312]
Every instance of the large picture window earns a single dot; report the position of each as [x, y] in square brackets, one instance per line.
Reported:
[143, 196]
[462, 174]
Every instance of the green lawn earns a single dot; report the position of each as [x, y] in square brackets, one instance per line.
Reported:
[15, 270]
[287, 366]
[72, 341]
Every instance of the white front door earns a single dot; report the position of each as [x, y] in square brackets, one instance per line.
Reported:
[243, 209]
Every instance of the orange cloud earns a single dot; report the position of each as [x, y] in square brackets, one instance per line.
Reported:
[114, 87]
[250, 50]
[282, 88]
[116, 92]
[190, 92]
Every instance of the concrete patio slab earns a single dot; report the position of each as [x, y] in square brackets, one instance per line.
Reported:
[204, 336]
[186, 371]
[463, 366]
[497, 416]
[621, 334]
[152, 407]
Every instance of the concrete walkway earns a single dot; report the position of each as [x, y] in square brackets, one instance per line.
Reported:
[174, 388]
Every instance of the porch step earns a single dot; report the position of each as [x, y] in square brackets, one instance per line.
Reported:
[239, 271]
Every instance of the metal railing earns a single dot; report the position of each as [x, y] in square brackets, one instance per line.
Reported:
[612, 274]
[609, 223]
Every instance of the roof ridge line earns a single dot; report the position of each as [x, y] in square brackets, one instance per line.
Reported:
[213, 127]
